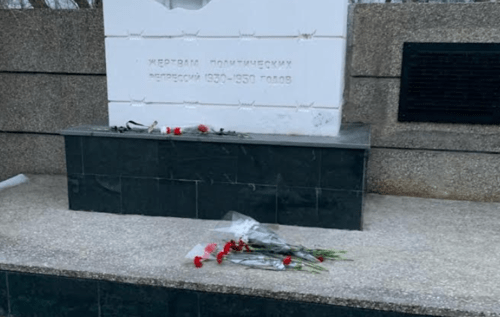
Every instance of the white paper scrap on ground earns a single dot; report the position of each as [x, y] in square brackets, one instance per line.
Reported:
[13, 181]
[254, 66]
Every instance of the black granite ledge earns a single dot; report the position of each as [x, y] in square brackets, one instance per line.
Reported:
[154, 175]
[288, 205]
[351, 136]
[88, 294]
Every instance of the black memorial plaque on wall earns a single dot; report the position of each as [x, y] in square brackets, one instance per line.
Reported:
[450, 83]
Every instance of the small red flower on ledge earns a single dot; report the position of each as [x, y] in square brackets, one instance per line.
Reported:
[209, 249]
[234, 246]
[287, 260]
[220, 257]
[177, 131]
[227, 248]
[320, 258]
[242, 245]
[203, 128]
[197, 261]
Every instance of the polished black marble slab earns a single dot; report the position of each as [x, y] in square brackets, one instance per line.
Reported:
[4, 305]
[33, 295]
[340, 209]
[256, 201]
[343, 169]
[36, 295]
[101, 156]
[178, 198]
[298, 206]
[279, 165]
[74, 158]
[279, 179]
[198, 161]
[95, 192]
[140, 196]
[128, 300]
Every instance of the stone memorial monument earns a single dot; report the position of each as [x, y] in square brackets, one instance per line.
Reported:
[271, 70]
[256, 66]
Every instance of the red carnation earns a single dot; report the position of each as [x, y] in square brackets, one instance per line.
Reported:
[203, 128]
[220, 257]
[210, 247]
[320, 258]
[177, 131]
[227, 248]
[242, 244]
[197, 261]
[287, 260]
[168, 130]
[235, 247]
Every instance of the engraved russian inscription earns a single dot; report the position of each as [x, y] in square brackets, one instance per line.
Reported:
[173, 62]
[221, 71]
[175, 78]
[260, 64]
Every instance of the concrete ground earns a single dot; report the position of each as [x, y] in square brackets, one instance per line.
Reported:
[424, 256]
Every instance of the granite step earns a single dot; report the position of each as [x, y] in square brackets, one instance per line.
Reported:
[416, 257]
[272, 178]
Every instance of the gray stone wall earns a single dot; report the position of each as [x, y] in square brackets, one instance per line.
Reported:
[455, 161]
[52, 76]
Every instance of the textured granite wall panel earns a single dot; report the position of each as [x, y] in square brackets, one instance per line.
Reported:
[62, 41]
[413, 158]
[48, 41]
[49, 103]
[32, 154]
[434, 174]
[376, 101]
[380, 30]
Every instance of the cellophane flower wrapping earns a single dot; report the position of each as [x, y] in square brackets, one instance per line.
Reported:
[254, 233]
[247, 242]
[257, 260]
[259, 236]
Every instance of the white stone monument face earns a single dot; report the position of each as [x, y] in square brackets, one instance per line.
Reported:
[254, 66]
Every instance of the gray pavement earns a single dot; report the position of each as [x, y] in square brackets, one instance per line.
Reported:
[424, 256]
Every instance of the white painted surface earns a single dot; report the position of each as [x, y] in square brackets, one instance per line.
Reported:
[261, 66]
[226, 18]
[227, 72]
[272, 120]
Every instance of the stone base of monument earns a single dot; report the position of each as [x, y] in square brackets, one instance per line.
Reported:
[293, 180]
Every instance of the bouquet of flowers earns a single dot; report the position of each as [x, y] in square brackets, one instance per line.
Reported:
[256, 246]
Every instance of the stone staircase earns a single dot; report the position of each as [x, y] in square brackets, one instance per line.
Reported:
[415, 257]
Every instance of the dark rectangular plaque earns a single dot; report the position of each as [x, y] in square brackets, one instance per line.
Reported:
[450, 83]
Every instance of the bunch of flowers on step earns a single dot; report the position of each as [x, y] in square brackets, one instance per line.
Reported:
[191, 130]
[200, 129]
[256, 246]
